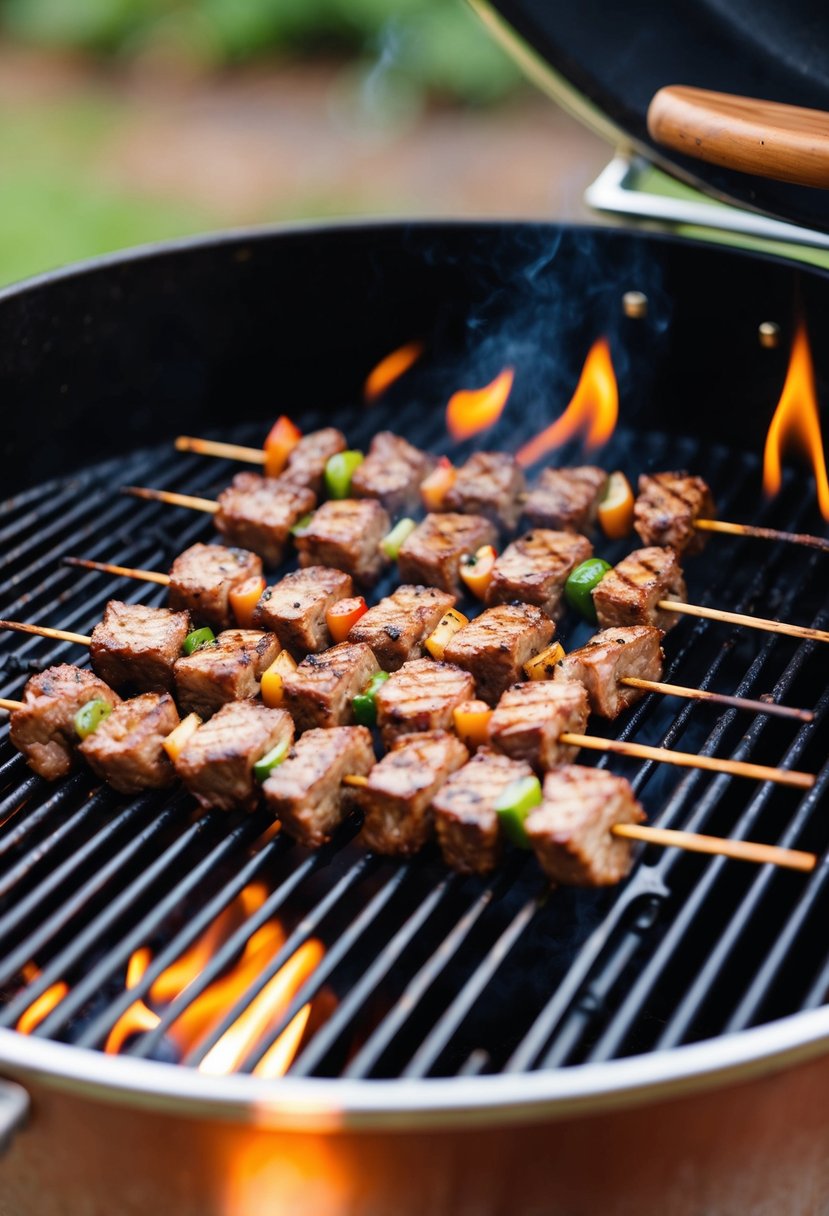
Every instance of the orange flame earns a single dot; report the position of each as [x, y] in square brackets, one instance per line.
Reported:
[40, 1008]
[472, 410]
[390, 369]
[796, 423]
[593, 409]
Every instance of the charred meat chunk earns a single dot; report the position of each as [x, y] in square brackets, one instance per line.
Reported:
[432, 553]
[228, 669]
[610, 657]
[396, 628]
[391, 472]
[528, 721]
[667, 507]
[566, 499]
[570, 831]
[127, 750]
[346, 533]
[137, 646]
[495, 646]
[295, 607]
[535, 568]
[43, 729]
[258, 513]
[630, 593]
[320, 691]
[421, 695]
[202, 578]
[488, 484]
[306, 791]
[397, 800]
[307, 461]
[216, 764]
[466, 822]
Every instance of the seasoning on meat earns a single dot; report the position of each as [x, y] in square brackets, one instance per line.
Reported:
[535, 568]
[566, 499]
[320, 691]
[127, 748]
[202, 578]
[137, 646]
[466, 822]
[43, 728]
[630, 593]
[396, 628]
[216, 764]
[495, 646]
[432, 553]
[488, 484]
[667, 506]
[570, 830]
[295, 607]
[308, 458]
[346, 534]
[397, 800]
[421, 695]
[528, 721]
[610, 656]
[228, 669]
[258, 513]
[391, 472]
[306, 791]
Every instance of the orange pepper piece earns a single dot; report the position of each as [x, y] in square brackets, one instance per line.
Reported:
[283, 437]
[433, 489]
[471, 720]
[178, 739]
[343, 616]
[244, 598]
[272, 686]
[446, 628]
[542, 666]
[616, 508]
[476, 571]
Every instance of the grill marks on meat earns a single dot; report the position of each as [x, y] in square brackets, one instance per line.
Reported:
[432, 553]
[228, 669]
[496, 645]
[126, 749]
[392, 472]
[258, 513]
[570, 830]
[530, 718]
[43, 729]
[217, 763]
[398, 798]
[396, 628]
[489, 484]
[320, 691]
[466, 822]
[566, 499]
[137, 646]
[307, 461]
[667, 506]
[421, 696]
[630, 593]
[306, 790]
[346, 534]
[202, 578]
[535, 568]
[610, 656]
[295, 608]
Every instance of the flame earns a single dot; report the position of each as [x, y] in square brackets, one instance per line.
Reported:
[40, 1008]
[472, 410]
[592, 411]
[796, 423]
[390, 369]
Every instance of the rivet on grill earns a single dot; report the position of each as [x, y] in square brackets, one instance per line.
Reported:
[769, 334]
[635, 304]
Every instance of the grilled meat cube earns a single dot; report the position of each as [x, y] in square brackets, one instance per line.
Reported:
[43, 729]
[570, 830]
[202, 578]
[496, 645]
[566, 499]
[228, 669]
[421, 696]
[217, 763]
[528, 721]
[432, 553]
[320, 691]
[346, 534]
[466, 822]
[306, 791]
[295, 608]
[258, 513]
[398, 798]
[396, 628]
[126, 749]
[630, 593]
[306, 463]
[603, 662]
[488, 484]
[137, 646]
[667, 506]
[535, 568]
[392, 472]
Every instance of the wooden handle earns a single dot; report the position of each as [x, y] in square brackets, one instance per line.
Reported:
[787, 143]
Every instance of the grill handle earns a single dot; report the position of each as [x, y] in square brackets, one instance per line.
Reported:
[766, 138]
[14, 1110]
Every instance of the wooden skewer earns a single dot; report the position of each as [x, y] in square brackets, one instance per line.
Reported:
[793, 538]
[148, 576]
[212, 447]
[8, 705]
[194, 503]
[742, 618]
[719, 698]
[44, 631]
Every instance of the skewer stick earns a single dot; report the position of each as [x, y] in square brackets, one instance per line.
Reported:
[212, 447]
[194, 503]
[719, 698]
[793, 538]
[742, 618]
[739, 850]
[148, 576]
[8, 705]
[44, 631]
